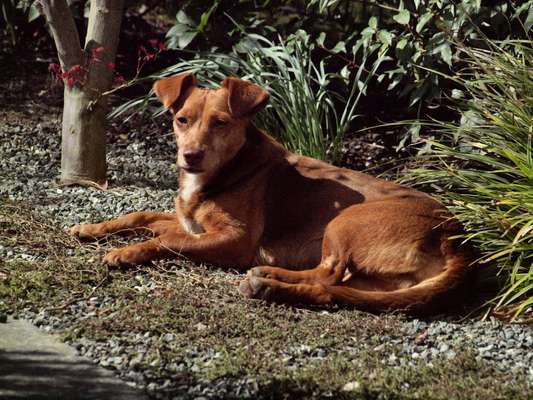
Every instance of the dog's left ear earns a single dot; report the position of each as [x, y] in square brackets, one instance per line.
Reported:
[244, 98]
[170, 90]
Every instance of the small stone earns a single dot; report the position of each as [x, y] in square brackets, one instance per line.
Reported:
[168, 337]
[351, 386]
[201, 327]
[444, 347]
[450, 355]
[136, 360]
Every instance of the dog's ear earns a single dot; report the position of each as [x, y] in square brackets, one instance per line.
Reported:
[244, 98]
[171, 90]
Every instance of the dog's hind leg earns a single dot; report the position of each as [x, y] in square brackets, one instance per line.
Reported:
[330, 271]
[333, 268]
[282, 292]
[126, 224]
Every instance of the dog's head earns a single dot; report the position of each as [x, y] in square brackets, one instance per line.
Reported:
[210, 125]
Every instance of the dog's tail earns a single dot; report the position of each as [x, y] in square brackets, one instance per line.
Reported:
[415, 298]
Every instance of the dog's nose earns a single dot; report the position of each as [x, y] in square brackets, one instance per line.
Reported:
[193, 157]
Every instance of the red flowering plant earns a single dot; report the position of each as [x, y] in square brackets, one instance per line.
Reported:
[77, 74]
[145, 54]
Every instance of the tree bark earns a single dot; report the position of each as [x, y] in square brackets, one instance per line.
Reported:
[83, 153]
[64, 32]
[83, 141]
[83, 146]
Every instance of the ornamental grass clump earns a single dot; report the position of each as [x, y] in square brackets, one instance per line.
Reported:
[483, 166]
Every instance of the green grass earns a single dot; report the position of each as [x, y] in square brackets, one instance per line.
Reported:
[201, 307]
[483, 166]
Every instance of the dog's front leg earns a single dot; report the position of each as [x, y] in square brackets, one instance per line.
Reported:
[222, 247]
[129, 223]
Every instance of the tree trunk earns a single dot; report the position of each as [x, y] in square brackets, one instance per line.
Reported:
[83, 153]
[83, 141]
[83, 150]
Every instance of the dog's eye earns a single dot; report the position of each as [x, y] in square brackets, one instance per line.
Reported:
[182, 120]
[219, 123]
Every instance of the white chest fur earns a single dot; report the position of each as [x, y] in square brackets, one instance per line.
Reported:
[190, 184]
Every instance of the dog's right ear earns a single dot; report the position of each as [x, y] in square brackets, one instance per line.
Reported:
[171, 91]
[244, 98]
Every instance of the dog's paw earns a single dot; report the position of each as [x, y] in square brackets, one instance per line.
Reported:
[74, 230]
[85, 231]
[266, 272]
[118, 258]
[253, 288]
[277, 274]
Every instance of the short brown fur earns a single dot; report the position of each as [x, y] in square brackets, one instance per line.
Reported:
[319, 234]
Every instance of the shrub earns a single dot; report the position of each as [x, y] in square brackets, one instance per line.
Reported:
[413, 33]
[305, 112]
[483, 166]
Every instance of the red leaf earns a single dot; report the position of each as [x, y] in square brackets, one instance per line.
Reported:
[96, 52]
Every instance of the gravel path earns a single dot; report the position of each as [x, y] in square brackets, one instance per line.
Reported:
[143, 176]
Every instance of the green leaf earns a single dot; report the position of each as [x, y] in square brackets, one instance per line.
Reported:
[345, 73]
[367, 32]
[178, 30]
[424, 19]
[339, 47]
[395, 82]
[529, 21]
[183, 18]
[436, 40]
[414, 132]
[204, 19]
[185, 39]
[401, 44]
[321, 38]
[373, 22]
[402, 17]
[33, 13]
[446, 53]
[385, 37]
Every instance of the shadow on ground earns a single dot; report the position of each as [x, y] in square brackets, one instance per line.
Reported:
[45, 375]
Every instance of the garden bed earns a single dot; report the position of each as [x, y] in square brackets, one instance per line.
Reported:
[181, 330]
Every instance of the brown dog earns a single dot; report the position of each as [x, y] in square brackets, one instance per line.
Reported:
[333, 235]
